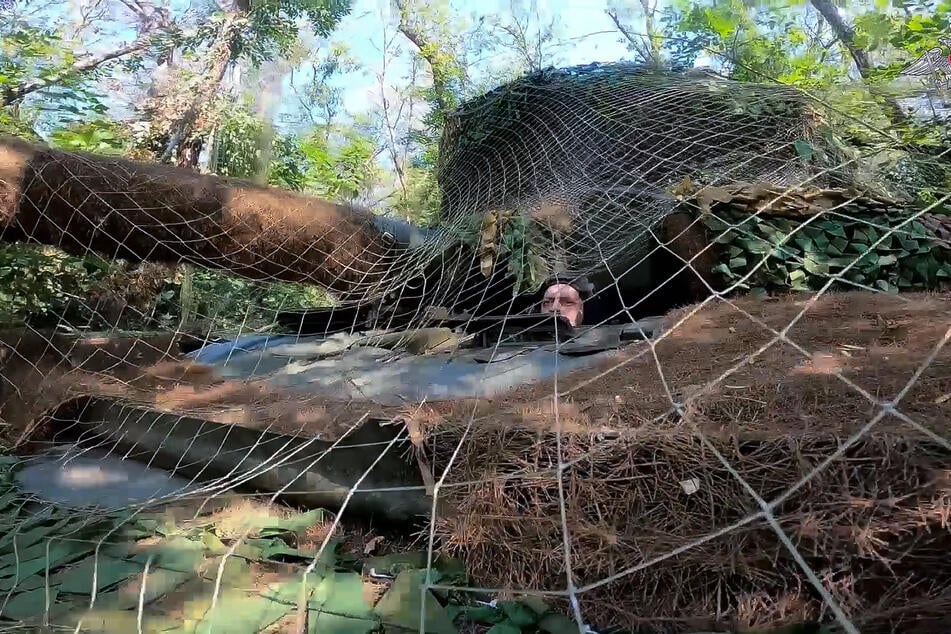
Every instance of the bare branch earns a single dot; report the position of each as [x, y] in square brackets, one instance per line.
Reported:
[220, 58]
[845, 34]
[638, 44]
[391, 122]
[427, 51]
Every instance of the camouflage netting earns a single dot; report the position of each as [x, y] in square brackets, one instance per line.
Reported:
[574, 171]
[659, 446]
[590, 153]
[656, 444]
[767, 460]
[578, 167]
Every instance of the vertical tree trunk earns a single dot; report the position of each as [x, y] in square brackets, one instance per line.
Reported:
[846, 36]
[219, 56]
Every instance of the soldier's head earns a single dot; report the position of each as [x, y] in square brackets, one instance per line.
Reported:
[565, 298]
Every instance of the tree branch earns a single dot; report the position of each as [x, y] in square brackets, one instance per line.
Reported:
[427, 51]
[138, 211]
[85, 65]
[845, 34]
[220, 57]
[642, 49]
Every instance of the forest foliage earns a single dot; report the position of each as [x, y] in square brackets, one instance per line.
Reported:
[257, 91]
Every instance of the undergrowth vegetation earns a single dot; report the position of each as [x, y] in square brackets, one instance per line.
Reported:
[166, 563]
[777, 254]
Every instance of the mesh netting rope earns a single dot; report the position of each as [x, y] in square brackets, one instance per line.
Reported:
[741, 462]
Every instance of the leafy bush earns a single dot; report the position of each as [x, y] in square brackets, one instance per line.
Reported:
[46, 287]
[223, 302]
[99, 135]
[41, 282]
[908, 259]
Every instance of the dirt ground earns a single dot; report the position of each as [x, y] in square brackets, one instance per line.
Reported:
[667, 454]
[873, 341]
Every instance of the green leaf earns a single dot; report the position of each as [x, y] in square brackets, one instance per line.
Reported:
[237, 612]
[265, 548]
[536, 603]
[294, 524]
[505, 627]
[518, 613]
[26, 605]
[325, 623]
[403, 602]
[37, 529]
[713, 223]
[31, 582]
[755, 245]
[886, 286]
[724, 238]
[737, 263]
[805, 243]
[174, 553]
[484, 614]
[803, 149]
[236, 572]
[557, 624]
[885, 260]
[815, 267]
[158, 582]
[840, 262]
[213, 543]
[342, 593]
[396, 562]
[107, 571]
[443, 567]
[34, 559]
[833, 228]
[838, 245]
[7, 462]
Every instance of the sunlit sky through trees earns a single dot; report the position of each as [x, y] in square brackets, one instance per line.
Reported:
[582, 33]
[363, 94]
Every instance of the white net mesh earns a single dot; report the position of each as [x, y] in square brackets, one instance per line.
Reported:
[689, 456]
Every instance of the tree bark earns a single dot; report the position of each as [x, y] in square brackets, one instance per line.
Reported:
[647, 47]
[139, 211]
[428, 50]
[846, 35]
[219, 55]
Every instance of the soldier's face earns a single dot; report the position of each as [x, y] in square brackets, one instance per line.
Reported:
[564, 300]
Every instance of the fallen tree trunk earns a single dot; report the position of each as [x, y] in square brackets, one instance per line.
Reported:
[141, 211]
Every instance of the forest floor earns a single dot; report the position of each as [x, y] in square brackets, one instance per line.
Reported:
[779, 399]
